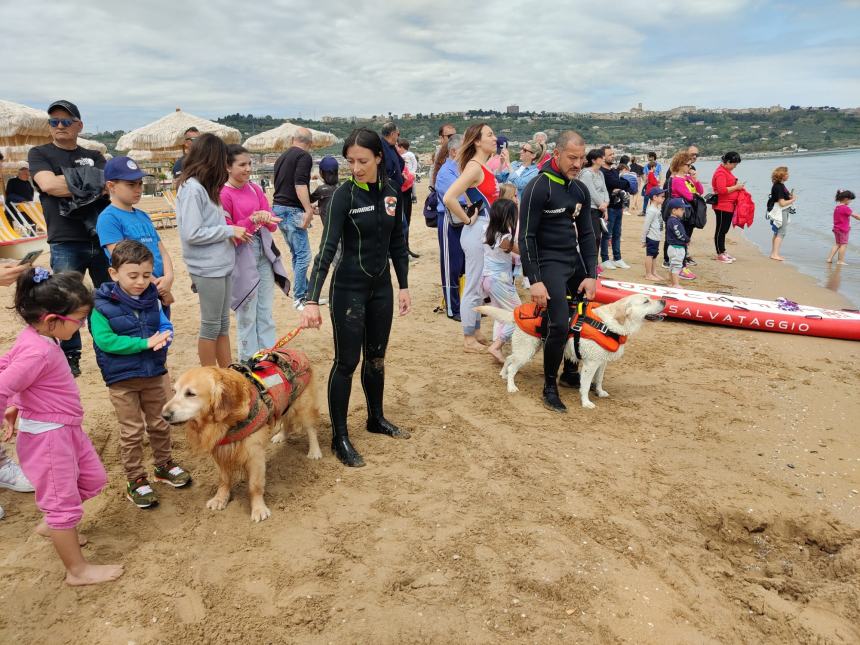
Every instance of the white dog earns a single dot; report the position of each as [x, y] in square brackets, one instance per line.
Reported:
[623, 317]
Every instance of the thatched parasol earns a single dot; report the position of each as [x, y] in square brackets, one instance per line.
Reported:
[21, 125]
[167, 133]
[281, 138]
[155, 155]
[92, 145]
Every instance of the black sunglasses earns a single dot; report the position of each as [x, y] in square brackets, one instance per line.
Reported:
[66, 122]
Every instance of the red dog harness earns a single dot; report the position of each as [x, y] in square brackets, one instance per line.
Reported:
[279, 377]
[584, 323]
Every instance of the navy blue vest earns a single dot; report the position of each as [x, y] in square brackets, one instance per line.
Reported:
[127, 316]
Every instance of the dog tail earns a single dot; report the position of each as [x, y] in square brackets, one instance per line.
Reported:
[502, 315]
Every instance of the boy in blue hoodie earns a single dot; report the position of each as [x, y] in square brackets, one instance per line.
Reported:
[131, 335]
[676, 238]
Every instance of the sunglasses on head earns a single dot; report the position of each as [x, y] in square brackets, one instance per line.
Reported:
[65, 122]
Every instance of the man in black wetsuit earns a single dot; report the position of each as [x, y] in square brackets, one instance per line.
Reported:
[558, 251]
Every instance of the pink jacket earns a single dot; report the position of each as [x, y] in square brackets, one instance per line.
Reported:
[241, 203]
[744, 211]
[681, 187]
[722, 180]
[35, 376]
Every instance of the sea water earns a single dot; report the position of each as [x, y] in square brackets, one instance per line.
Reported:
[815, 178]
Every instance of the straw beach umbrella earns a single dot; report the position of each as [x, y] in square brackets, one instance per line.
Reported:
[165, 136]
[21, 125]
[92, 145]
[281, 138]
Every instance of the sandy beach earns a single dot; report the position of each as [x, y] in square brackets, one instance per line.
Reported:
[712, 499]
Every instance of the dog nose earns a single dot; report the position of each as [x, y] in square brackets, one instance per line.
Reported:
[167, 416]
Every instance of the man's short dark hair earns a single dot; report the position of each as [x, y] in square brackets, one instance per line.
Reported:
[388, 128]
[192, 129]
[652, 155]
[130, 252]
[566, 137]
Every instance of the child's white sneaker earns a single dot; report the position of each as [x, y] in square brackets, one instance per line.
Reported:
[608, 264]
[621, 264]
[13, 478]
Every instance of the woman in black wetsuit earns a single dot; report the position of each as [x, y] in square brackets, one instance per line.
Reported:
[364, 214]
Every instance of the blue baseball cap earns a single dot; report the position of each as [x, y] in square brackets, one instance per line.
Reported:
[655, 191]
[328, 164]
[123, 168]
[676, 202]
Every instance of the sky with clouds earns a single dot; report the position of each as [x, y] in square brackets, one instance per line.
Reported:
[128, 63]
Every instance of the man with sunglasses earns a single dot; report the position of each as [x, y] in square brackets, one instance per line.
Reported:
[74, 246]
[188, 138]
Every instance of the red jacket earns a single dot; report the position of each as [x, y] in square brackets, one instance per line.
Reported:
[744, 211]
[720, 182]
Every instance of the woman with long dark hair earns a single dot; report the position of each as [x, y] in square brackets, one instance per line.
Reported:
[208, 243]
[479, 185]
[593, 179]
[363, 215]
[727, 187]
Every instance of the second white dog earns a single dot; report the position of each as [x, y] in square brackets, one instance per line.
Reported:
[623, 317]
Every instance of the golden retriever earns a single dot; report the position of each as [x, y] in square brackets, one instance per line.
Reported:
[624, 317]
[210, 400]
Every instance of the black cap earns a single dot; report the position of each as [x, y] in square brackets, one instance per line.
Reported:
[68, 106]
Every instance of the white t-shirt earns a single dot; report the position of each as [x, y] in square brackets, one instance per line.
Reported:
[497, 260]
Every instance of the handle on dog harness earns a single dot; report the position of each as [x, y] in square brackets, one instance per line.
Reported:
[283, 340]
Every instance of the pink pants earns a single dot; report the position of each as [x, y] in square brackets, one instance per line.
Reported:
[65, 469]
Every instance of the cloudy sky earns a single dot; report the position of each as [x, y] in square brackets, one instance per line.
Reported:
[127, 63]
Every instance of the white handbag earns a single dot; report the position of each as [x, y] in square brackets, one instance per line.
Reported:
[775, 215]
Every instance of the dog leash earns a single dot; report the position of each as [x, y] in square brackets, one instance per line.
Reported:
[283, 340]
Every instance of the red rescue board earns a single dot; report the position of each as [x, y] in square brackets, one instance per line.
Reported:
[739, 311]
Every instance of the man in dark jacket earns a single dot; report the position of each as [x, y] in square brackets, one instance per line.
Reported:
[615, 184]
[19, 189]
[558, 250]
[394, 165]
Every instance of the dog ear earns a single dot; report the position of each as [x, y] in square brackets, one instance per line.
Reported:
[621, 314]
[229, 394]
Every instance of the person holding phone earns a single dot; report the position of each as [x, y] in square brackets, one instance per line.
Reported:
[727, 187]
[482, 189]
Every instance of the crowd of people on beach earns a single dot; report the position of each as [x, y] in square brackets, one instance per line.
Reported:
[550, 223]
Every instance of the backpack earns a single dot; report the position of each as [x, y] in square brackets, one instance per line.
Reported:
[698, 212]
[431, 215]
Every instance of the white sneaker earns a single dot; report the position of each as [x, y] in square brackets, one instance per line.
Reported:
[13, 478]
[298, 304]
[621, 264]
[608, 264]
[2, 513]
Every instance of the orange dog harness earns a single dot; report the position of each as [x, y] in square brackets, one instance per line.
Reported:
[279, 377]
[585, 323]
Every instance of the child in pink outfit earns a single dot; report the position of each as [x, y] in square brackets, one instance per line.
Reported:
[40, 397]
[842, 215]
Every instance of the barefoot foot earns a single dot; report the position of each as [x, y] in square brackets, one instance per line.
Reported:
[93, 574]
[777, 257]
[45, 531]
[497, 353]
[473, 347]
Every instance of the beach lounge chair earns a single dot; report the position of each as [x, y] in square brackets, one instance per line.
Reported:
[166, 217]
[15, 243]
[33, 210]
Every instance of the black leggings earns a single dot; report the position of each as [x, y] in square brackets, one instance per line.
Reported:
[596, 218]
[406, 199]
[724, 223]
[361, 312]
[559, 280]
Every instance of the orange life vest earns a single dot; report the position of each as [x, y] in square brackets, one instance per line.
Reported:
[532, 320]
[278, 377]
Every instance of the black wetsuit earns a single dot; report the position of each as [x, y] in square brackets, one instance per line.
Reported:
[557, 248]
[367, 219]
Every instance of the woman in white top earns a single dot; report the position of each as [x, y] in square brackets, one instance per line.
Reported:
[593, 179]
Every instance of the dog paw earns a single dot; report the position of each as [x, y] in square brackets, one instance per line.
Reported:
[315, 453]
[512, 389]
[260, 514]
[588, 405]
[217, 504]
[602, 393]
[279, 437]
